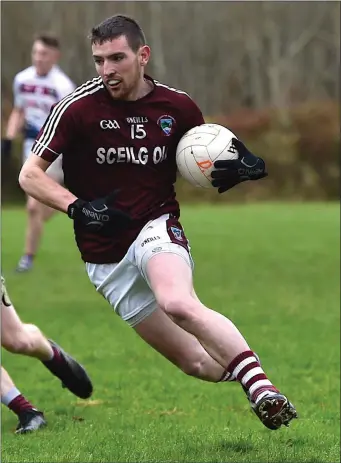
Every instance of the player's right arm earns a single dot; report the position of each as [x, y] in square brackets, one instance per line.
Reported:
[55, 137]
[15, 122]
[16, 119]
[96, 215]
[36, 183]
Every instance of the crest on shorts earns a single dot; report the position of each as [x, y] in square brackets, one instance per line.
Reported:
[166, 123]
[178, 234]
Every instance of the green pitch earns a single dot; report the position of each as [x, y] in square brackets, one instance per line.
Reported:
[273, 269]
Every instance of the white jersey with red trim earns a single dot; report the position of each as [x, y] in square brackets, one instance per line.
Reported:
[36, 94]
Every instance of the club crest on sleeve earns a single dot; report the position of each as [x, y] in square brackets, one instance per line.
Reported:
[178, 234]
[166, 123]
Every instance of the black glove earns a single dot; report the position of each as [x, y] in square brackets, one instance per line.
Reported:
[231, 172]
[6, 148]
[99, 216]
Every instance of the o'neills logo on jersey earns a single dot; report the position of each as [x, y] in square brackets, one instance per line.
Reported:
[137, 120]
[166, 123]
[107, 124]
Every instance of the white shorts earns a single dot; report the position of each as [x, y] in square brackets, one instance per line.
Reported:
[55, 171]
[125, 284]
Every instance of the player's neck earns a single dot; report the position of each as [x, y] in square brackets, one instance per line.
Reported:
[144, 87]
[41, 73]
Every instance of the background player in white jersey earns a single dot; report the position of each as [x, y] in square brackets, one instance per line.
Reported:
[36, 89]
[120, 132]
[27, 339]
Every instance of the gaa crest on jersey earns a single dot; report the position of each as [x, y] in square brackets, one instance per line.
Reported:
[166, 123]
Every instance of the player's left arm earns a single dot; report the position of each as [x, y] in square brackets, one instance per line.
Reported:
[228, 173]
[192, 115]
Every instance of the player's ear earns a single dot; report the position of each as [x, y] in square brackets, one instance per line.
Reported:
[144, 54]
[56, 55]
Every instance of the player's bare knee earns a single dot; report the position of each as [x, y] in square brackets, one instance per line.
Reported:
[193, 367]
[180, 308]
[33, 208]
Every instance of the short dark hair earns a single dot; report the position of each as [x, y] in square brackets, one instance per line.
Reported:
[48, 39]
[116, 26]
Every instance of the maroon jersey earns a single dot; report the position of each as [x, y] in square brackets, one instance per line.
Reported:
[112, 145]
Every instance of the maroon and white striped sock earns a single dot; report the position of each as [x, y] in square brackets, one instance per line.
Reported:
[20, 404]
[246, 369]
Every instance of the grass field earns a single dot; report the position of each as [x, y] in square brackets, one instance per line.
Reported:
[273, 269]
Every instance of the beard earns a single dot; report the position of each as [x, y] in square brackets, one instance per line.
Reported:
[128, 87]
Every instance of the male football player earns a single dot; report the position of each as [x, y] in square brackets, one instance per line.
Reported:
[26, 339]
[36, 89]
[118, 135]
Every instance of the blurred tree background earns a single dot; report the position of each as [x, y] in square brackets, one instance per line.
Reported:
[269, 71]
